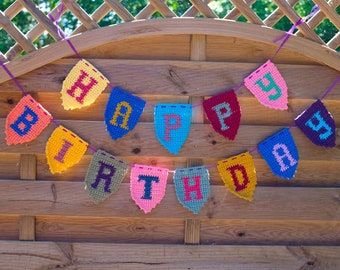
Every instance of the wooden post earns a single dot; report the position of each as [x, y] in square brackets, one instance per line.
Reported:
[197, 53]
[28, 171]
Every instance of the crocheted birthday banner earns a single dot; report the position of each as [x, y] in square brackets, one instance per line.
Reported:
[280, 153]
[224, 113]
[147, 186]
[64, 149]
[172, 125]
[239, 175]
[82, 86]
[104, 175]
[317, 124]
[192, 187]
[26, 121]
[122, 113]
[268, 86]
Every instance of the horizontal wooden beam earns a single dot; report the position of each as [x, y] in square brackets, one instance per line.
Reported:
[70, 199]
[174, 26]
[141, 141]
[43, 255]
[183, 78]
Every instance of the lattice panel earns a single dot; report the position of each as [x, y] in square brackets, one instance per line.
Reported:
[197, 8]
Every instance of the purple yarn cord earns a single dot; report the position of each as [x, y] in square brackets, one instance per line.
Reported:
[61, 34]
[9, 73]
[288, 34]
[330, 88]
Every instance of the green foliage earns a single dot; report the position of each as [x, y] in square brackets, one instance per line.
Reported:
[24, 21]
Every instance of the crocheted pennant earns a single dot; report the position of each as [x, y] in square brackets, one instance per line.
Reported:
[280, 153]
[224, 113]
[192, 187]
[122, 113]
[268, 86]
[147, 186]
[104, 175]
[172, 125]
[26, 121]
[317, 124]
[239, 175]
[82, 86]
[64, 149]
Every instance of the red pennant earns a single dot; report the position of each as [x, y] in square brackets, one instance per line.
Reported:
[224, 113]
[26, 121]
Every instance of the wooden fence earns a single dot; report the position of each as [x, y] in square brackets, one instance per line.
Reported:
[290, 225]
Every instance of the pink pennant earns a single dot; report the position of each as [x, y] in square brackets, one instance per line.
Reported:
[26, 121]
[147, 186]
[268, 86]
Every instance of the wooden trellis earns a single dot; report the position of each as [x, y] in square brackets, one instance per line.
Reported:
[90, 21]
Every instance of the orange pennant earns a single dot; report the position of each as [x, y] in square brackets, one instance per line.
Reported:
[26, 121]
[82, 86]
[64, 149]
[239, 175]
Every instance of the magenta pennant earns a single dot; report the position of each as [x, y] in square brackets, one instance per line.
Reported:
[26, 121]
[268, 86]
[224, 113]
[147, 186]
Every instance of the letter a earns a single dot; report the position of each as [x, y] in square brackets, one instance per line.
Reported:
[286, 154]
[125, 115]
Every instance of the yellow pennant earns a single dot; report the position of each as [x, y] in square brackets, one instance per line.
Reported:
[64, 149]
[239, 175]
[82, 86]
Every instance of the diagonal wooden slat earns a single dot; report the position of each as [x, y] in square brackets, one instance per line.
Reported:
[33, 34]
[329, 12]
[293, 17]
[81, 14]
[277, 14]
[41, 18]
[247, 12]
[163, 8]
[203, 8]
[120, 10]
[334, 43]
[13, 10]
[19, 37]
[235, 13]
[97, 15]
[193, 11]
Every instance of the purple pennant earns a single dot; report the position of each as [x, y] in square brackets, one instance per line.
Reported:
[317, 124]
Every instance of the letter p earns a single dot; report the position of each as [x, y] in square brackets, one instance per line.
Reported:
[172, 122]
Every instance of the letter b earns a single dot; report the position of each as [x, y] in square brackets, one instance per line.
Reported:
[25, 121]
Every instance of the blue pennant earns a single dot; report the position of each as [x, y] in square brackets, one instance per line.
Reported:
[172, 125]
[192, 187]
[280, 153]
[122, 113]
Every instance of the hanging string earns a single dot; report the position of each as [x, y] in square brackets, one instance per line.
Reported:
[61, 34]
[13, 78]
[290, 32]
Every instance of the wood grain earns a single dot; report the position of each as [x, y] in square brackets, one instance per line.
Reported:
[145, 28]
[180, 78]
[14, 255]
[202, 140]
[69, 199]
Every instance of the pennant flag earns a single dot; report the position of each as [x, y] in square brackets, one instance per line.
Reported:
[317, 124]
[64, 149]
[280, 153]
[268, 86]
[239, 175]
[172, 125]
[82, 86]
[122, 113]
[104, 175]
[224, 113]
[26, 121]
[147, 186]
[192, 187]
